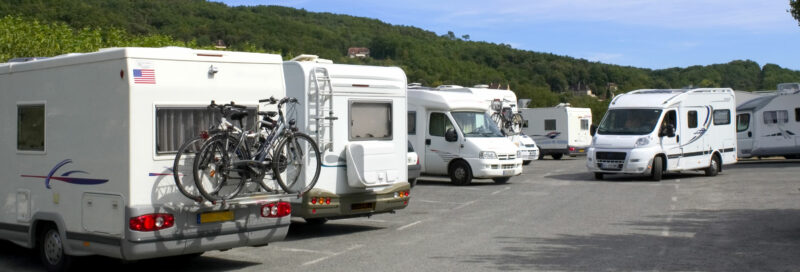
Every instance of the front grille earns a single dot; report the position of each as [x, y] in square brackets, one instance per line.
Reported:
[616, 156]
[613, 165]
[506, 156]
[508, 166]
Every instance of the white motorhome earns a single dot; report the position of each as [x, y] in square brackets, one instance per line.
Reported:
[768, 125]
[454, 136]
[560, 130]
[655, 131]
[504, 102]
[357, 115]
[89, 145]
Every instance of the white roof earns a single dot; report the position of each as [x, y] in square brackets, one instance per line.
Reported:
[347, 78]
[446, 101]
[163, 53]
[658, 98]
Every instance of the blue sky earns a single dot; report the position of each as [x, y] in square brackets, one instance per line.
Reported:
[641, 33]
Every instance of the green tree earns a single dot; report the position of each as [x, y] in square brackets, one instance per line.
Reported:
[794, 9]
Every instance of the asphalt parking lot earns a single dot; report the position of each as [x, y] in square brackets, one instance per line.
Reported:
[553, 217]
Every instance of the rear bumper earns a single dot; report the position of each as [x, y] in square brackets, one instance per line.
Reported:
[351, 205]
[529, 154]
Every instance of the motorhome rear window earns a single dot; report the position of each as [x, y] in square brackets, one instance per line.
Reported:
[584, 124]
[550, 124]
[412, 123]
[742, 122]
[692, 116]
[370, 121]
[774, 117]
[175, 125]
[30, 127]
[722, 117]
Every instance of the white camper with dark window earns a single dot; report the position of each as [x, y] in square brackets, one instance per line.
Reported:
[651, 132]
[560, 130]
[769, 125]
[357, 115]
[88, 145]
[454, 136]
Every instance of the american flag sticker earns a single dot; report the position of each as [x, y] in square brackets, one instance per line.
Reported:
[144, 76]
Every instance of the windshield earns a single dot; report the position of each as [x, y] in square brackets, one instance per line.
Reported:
[629, 122]
[476, 124]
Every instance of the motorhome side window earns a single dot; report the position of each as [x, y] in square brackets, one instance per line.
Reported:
[30, 127]
[175, 125]
[670, 118]
[439, 124]
[412, 123]
[370, 121]
[797, 114]
[525, 123]
[722, 117]
[774, 117]
[550, 124]
[584, 124]
[742, 122]
[692, 116]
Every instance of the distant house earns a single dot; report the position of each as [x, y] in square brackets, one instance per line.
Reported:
[581, 89]
[220, 44]
[358, 52]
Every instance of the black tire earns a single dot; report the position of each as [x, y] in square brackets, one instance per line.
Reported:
[51, 250]
[557, 156]
[713, 166]
[212, 169]
[598, 176]
[182, 168]
[501, 180]
[541, 156]
[460, 173]
[302, 154]
[413, 182]
[316, 221]
[658, 169]
[526, 162]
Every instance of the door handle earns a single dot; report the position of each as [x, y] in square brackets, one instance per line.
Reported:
[678, 138]
[427, 141]
[749, 134]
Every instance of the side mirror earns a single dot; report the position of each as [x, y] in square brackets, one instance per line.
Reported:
[668, 131]
[592, 130]
[450, 135]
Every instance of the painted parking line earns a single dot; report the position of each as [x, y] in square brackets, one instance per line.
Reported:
[333, 255]
[409, 225]
[501, 190]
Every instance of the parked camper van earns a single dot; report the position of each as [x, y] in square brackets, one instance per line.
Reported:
[560, 130]
[656, 131]
[769, 125]
[454, 136]
[357, 114]
[89, 143]
[501, 103]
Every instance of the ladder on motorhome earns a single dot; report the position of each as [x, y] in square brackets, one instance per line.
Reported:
[320, 97]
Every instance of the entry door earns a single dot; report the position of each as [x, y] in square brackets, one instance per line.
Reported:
[438, 151]
[694, 122]
[744, 133]
[671, 145]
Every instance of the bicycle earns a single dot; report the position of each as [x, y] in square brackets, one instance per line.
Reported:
[508, 121]
[226, 153]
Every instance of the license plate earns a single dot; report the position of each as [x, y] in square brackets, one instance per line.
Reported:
[508, 172]
[609, 166]
[582, 150]
[211, 217]
[363, 206]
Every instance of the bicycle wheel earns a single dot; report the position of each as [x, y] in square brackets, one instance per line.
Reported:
[296, 164]
[182, 168]
[498, 119]
[213, 170]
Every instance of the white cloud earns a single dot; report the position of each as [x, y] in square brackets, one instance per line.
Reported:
[603, 57]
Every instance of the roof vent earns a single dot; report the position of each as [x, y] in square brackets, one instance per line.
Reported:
[26, 59]
[485, 86]
[311, 58]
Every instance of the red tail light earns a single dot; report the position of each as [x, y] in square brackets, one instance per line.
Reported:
[152, 222]
[275, 210]
[571, 149]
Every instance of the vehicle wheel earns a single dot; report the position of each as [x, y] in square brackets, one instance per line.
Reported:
[182, 168]
[502, 180]
[541, 156]
[526, 162]
[658, 169]
[212, 169]
[498, 119]
[413, 182]
[598, 176]
[51, 251]
[316, 221]
[557, 156]
[713, 167]
[302, 154]
[460, 173]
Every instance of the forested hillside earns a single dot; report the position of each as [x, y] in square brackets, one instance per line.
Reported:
[426, 57]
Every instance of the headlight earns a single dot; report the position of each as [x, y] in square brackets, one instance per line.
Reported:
[487, 155]
[643, 141]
